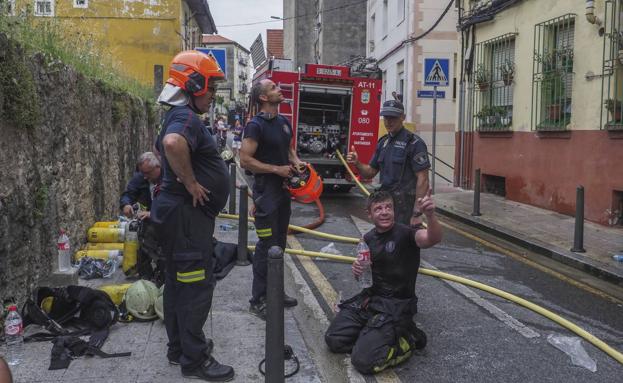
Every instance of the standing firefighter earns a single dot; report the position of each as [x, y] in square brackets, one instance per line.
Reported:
[267, 151]
[194, 190]
[402, 159]
[376, 326]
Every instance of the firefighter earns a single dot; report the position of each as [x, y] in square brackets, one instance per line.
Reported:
[194, 190]
[376, 326]
[268, 153]
[402, 159]
[143, 185]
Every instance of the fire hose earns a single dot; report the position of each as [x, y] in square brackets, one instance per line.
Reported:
[601, 345]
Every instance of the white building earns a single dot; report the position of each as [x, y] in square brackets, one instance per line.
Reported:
[394, 28]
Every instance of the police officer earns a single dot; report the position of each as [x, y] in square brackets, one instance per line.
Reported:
[143, 185]
[194, 190]
[267, 152]
[376, 326]
[402, 159]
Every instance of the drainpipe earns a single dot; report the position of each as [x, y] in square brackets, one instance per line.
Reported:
[590, 13]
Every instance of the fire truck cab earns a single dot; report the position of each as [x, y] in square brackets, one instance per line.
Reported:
[329, 110]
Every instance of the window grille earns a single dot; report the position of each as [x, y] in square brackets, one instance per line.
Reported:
[492, 82]
[552, 80]
[612, 79]
[44, 7]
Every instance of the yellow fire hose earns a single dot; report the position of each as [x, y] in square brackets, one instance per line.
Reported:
[616, 355]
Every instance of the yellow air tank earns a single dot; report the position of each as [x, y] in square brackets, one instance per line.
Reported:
[109, 224]
[116, 292]
[105, 234]
[130, 249]
[98, 254]
[105, 246]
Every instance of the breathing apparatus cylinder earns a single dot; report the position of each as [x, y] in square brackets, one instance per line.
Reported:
[111, 224]
[105, 246]
[116, 292]
[306, 186]
[98, 254]
[105, 234]
[130, 248]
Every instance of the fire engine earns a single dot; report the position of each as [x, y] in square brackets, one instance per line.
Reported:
[330, 109]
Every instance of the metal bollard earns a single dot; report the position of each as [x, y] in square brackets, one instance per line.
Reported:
[578, 235]
[243, 227]
[476, 211]
[274, 350]
[232, 189]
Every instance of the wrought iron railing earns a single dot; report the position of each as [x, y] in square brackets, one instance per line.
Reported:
[612, 78]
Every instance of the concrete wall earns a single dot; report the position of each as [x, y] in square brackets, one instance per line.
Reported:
[343, 32]
[69, 146]
[298, 33]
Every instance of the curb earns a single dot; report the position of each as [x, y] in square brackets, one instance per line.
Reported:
[569, 258]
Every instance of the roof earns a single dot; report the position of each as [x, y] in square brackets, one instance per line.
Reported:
[274, 43]
[219, 40]
[201, 13]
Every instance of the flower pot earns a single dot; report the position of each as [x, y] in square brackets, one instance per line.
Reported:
[507, 78]
[491, 120]
[505, 121]
[554, 112]
[616, 115]
[483, 86]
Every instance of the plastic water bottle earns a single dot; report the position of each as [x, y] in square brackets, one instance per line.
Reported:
[363, 255]
[14, 335]
[64, 253]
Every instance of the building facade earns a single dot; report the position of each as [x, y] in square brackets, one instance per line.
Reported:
[541, 110]
[323, 31]
[237, 69]
[142, 36]
[396, 39]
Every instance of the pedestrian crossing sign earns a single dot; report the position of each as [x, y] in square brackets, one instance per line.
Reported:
[436, 71]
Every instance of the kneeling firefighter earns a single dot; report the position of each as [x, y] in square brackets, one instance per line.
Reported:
[194, 189]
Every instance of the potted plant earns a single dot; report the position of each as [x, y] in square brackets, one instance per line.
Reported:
[507, 71]
[482, 77]
[553, 88]
[614, 108]
[547, 61]
[565, 56]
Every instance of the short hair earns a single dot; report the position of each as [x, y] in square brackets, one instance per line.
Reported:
[378, 196]
[148, 157]
[256, 91]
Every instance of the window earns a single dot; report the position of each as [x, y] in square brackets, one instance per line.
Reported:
[371, 32]
[612, 89]
[384, 21]
[401, 11]
[400, 80]
[44, 7]
[492, 83]
[552, 84]
[384, 85]
[81, 3]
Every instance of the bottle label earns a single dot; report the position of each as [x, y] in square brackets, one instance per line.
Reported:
[364, 255]
[13, 327]
[63, 245]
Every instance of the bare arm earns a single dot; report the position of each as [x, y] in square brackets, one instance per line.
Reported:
[366, 171]
[421, 188]
[432, 234]
[178, 154]
[294, 158]
[248, 162]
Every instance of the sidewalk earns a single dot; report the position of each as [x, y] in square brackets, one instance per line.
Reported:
[239, 337]
[542, 231]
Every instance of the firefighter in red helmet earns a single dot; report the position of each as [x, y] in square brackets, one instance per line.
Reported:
[194, 189]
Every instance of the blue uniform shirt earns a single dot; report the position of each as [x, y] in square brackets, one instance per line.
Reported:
[208, 166]
[393, 153]
[137, 190]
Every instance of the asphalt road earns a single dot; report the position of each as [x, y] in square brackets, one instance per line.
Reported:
[474, 336]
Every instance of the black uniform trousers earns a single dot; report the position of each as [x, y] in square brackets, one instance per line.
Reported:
[378, 332]
[186, 235]
[272, 230]
[403, 203]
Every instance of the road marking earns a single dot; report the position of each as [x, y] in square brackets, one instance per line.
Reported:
[538, 266]
[330, 297]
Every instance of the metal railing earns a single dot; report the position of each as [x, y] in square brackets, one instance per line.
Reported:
[612, 79]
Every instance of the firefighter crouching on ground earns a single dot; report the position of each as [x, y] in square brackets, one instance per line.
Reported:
[402, 159]
[376, 326]
[143, 186]
[194, 190]
[267, 152]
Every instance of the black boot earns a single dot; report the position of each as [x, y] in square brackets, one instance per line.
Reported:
[211, 371]
[288, 301]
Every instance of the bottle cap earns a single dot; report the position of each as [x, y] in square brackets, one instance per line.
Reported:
[12, 308]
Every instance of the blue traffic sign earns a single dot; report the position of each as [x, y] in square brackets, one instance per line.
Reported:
[220, 54]
[430, 94]
[436, 71]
